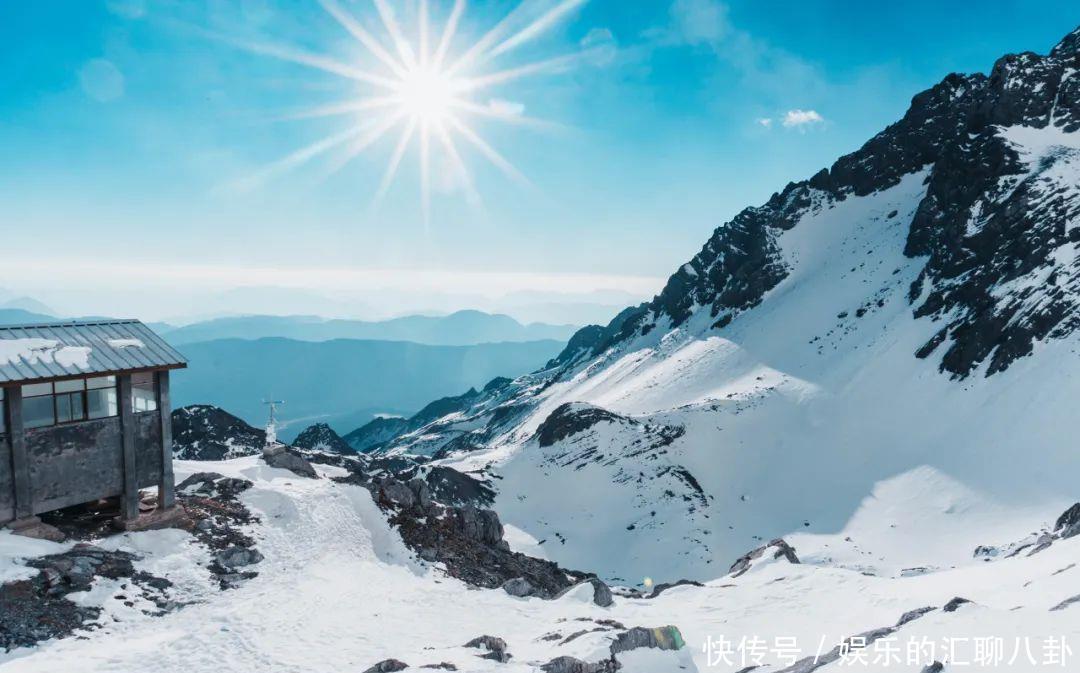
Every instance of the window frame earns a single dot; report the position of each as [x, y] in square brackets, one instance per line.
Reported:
[81, 394]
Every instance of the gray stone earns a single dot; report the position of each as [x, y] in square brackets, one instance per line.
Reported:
[387, 666]
[237, 557]
[496, 648]
[572, 665]
[520, 587]
[288, 460]
[661, 638]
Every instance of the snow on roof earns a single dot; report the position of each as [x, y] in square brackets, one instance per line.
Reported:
[45, 351]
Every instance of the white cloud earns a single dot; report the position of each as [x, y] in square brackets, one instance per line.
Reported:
[699, 21]
[801, 118]
[765, 121]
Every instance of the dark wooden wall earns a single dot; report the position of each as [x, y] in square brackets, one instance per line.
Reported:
[81, 462]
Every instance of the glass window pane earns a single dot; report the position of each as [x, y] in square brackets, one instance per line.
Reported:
[63, 408]
[38, 412]
[36, 389]
[101, 403]
[69, 386]
[143, 395]
[78, 411]
[101, 382]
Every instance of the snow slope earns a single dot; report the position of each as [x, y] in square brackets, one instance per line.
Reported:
[338, 591]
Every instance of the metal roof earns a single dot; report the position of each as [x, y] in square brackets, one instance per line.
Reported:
[55, 350]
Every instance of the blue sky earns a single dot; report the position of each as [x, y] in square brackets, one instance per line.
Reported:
[136, 135]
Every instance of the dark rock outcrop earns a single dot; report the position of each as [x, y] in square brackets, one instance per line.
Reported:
[467, 540]
[321, 437]
[777, 549]
[205, 432]
[1068, 524]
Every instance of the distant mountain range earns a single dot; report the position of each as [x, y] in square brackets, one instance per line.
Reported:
[342, 382]
[457, 329]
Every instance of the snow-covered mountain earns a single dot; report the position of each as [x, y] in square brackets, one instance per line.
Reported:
[913, 305]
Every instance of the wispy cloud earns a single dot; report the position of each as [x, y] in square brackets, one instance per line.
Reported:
[765, 121]
[801, 118]
[698, 22]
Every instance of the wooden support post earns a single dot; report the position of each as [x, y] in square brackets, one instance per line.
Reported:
[166, 487]
[20, 462]
[129, 502]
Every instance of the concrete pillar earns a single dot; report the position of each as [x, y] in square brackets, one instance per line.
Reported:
[20, 463]
[129, 501]
[166, 487]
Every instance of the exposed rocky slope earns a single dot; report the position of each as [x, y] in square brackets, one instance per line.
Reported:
[320, 437]
[205, 432]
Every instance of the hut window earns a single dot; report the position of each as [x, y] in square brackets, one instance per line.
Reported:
[37, 406]
[101, 400]
[69, 401]
[143, 394]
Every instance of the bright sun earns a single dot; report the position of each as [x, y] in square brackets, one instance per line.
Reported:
[418, 91]
[427, 94]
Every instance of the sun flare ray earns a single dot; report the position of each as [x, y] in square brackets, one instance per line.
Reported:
[395, 161]
[350, 24]
[404, 49]
[427, 96]
[489, 152]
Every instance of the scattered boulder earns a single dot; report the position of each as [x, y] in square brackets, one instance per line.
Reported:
[601, 592]
[774, 550]
[661, 588]
[213, 485]
[237, 557]
[954, 604]
[661, 638]
[520, 587]
[572, 665]
[289, 459]
[496, 648]
[38, 609]
[387, 666]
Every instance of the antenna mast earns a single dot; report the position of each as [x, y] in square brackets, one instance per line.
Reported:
[271, 425]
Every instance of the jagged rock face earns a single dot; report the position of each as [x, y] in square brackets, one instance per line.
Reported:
[205, 432]
[375, 433]
[997, 228]
[773, 551]
[320, 437]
